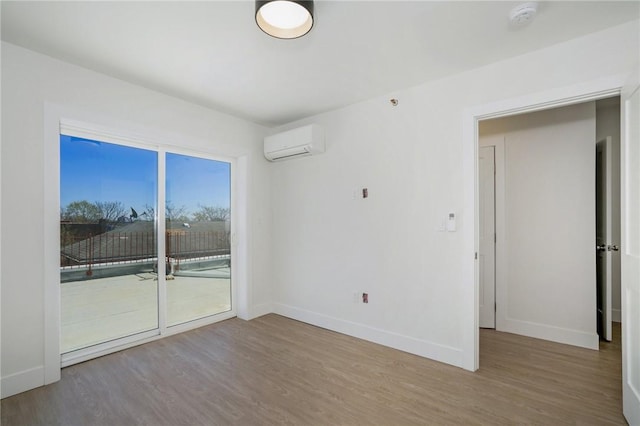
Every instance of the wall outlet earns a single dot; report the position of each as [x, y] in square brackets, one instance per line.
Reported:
[356, 297]
[360, 193]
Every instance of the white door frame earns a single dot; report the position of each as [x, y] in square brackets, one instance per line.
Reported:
[537, 101]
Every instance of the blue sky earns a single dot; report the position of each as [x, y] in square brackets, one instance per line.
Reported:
[193, 181]
[99, 171]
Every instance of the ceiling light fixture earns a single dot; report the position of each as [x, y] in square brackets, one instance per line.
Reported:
[284, 18]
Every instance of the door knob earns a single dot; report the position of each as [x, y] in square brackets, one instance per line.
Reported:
[601, 247]
[613, 247]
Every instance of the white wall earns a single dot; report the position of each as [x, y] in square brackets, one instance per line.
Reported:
[608, 124]
[324, 244]
[328, 245]
[31, 80]
[549, 288]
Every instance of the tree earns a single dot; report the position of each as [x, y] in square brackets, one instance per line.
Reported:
[149, 213]
[176, 214]
[81, 211]
[110, 210]
[172, 213]
[211, 213]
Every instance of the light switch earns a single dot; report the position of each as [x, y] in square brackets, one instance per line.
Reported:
[451, 222]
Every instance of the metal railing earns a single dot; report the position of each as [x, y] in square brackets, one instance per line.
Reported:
[139, 247]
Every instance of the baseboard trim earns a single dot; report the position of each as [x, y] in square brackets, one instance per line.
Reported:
[261, 309]
[22, 381]
[616, 315]
[423, 348]
[551, 333]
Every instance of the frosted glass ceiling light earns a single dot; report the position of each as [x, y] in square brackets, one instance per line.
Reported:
[284, 18]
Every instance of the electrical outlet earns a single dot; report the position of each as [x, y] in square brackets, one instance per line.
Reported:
[356, 297]
[359, 193]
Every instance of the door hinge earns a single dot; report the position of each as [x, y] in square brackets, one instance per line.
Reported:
[495, 307]
[476, 255]
[495, 238]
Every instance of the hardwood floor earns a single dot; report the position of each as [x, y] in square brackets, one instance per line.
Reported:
[274, 370]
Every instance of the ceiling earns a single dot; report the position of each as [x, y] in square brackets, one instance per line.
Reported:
[212, 53]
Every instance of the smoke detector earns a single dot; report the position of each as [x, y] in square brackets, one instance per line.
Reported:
[523, 14]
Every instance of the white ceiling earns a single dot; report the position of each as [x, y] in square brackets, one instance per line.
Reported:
[212, 53]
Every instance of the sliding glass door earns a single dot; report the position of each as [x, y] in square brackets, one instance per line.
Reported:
[198, 249]
[111, 284]
[108, 243]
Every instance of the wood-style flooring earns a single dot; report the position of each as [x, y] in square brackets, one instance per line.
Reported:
[274, 370]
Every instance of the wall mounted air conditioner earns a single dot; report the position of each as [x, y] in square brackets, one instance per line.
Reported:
[307, 140]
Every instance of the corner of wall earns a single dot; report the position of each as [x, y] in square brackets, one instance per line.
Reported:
[261, 310]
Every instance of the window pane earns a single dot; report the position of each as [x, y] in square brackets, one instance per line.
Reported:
[108, 249]
[198, 207]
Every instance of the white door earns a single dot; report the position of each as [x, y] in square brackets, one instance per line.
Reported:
[487, 255]
[604, 232]
[630, 247]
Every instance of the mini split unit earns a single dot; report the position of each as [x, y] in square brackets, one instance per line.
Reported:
[303, 141]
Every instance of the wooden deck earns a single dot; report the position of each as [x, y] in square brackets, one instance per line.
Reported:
[103, 309]
[273, 370]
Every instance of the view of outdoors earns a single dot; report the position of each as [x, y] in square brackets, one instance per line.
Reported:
[198, 193]
[108, 242]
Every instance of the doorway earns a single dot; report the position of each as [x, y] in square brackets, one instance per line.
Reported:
[543, 210]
